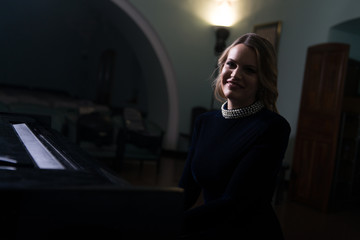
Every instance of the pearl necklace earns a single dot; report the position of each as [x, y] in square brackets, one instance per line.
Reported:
[241, 112]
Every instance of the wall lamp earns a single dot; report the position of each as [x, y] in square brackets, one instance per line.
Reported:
[222, 34]
[223, 17]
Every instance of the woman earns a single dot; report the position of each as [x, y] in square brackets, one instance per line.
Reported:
[236, 153]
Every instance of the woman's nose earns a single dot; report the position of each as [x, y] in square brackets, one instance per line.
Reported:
[236, 73]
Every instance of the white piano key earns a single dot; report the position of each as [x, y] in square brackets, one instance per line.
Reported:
[41, 155]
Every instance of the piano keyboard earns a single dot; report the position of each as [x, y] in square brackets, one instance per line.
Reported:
[43, 158]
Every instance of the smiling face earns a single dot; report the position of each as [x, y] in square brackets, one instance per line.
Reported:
[239, 77]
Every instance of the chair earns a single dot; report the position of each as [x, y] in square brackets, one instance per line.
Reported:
[138, 139]
[97, 127]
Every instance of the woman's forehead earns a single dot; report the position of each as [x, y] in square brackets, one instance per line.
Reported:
[243, 54]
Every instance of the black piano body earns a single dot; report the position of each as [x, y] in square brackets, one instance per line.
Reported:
[77, 197]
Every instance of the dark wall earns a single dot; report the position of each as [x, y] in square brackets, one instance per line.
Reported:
[57, 44]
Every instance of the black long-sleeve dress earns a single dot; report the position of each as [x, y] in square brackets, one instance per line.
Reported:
[234, 162]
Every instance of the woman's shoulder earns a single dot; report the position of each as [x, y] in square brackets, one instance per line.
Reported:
[209, 115]
[274, 119]
[265, 117]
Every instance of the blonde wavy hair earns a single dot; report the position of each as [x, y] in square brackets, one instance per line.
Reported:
[267, 69]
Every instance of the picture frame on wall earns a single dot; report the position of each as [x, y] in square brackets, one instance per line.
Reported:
[270, 31]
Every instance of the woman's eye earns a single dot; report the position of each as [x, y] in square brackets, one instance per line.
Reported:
[251, 70]
[230, 64]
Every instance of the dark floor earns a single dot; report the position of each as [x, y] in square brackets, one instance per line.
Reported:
[299, 222]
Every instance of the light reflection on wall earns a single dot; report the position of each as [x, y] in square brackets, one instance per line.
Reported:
[223, 13]
[217, 12]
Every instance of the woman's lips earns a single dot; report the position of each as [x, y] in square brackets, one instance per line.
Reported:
[234, 83]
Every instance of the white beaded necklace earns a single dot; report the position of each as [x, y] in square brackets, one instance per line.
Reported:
[241, 112]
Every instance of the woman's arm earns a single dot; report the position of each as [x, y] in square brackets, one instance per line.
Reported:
[191, 188]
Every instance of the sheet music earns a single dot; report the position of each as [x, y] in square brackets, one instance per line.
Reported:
[41, 155]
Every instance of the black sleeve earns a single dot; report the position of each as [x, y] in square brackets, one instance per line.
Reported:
[191, 189]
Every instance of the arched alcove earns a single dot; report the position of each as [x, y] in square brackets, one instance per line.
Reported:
[58, 45]
[156, 65]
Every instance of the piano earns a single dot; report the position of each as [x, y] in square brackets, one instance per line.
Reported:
[50, 189]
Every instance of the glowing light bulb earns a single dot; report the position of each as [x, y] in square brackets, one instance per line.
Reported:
[223, 14]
